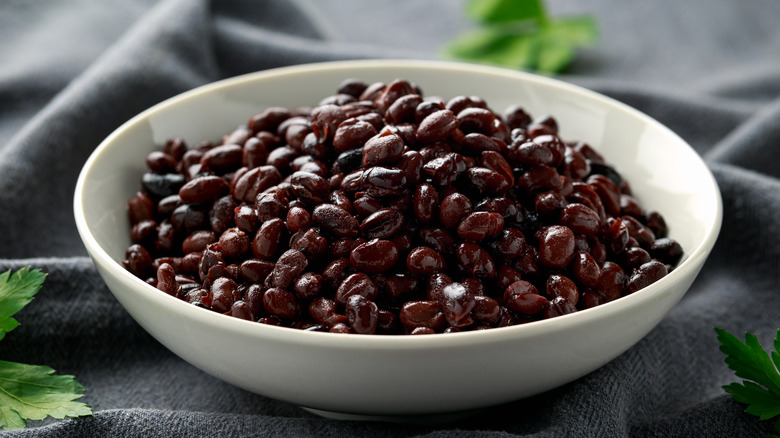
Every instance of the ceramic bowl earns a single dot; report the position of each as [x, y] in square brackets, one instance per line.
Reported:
[346, 375]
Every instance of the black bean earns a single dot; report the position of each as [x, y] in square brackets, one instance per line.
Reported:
[163, 185]
[667, 251]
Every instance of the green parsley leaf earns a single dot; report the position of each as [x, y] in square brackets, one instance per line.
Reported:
[749, 360]
[761, 389]
[559, 41]
[761, 403]
[520, 34]
[499, 46]
[16, 291]
[501, 11]
[30, 392]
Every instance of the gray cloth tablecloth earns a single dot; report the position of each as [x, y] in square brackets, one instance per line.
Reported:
[71, 72]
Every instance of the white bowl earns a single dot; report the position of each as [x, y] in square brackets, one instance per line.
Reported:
[401, 375]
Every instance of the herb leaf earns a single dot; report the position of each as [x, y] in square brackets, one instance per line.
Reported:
[500, 11]
[16, 291]
[749, 360]
[761, 391]
[497, 46]
[761, 402]
[560, 40]
[30, 392]
[520, 34]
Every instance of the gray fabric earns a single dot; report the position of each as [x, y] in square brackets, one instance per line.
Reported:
[71, 73]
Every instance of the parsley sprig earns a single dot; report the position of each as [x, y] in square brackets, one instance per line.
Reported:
[521, 34]
[31, 392]
[760, 390]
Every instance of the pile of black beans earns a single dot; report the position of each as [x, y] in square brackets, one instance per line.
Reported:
[381, 211]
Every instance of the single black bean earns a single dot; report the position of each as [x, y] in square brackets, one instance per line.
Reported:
[280, 303]
[335, 220]
[382, 224]
[356, 284]
[382, 149]
[374, 256]
[666, 250]
[163, 185]
[645, 275]
[437, 126]
[288, 267]
[255, 181]
[362, 314]
[383, 181]
[203, 189]
[268, 239]
[425, 261]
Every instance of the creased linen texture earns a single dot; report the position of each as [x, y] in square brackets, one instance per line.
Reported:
[70, 73]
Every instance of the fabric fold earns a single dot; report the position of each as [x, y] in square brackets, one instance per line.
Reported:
[167, 52]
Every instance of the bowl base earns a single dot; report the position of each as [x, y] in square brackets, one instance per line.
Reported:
[421, 419]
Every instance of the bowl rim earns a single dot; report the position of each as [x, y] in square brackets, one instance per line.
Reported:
[693, 260]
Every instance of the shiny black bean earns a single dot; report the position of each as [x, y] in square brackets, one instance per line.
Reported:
[358, 283]
[645, 275]
[268, 239]
[234, 243]
[524, 298]
[454, 207]
[188, 218]
[223, 158]
[425, 261]
[516, 117]
[223, 293]
[437, 126]
[426, 202]
[362, 314]
[350, 160]
[444, 170]
[288, 267]
[383, 181]
[457, 304]
[666, 250]
[439, 239]
[352, 86]
[310, 188]
[382, 149]
[255, 270]
[352, 133]
[556, 246]
[416, 314]
[198, 241]
[309, 285]
[335, 220]
[203, 189]
[268, 119]
[255, 181]
[310, 243]
[160, 162]
[473, 260]
[392, 92]
[280, 303]
[163, 185]
[138, 261]
[382, 224]
[374, 256]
